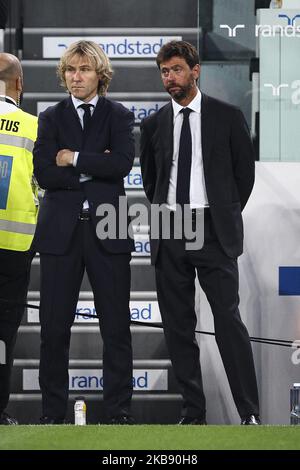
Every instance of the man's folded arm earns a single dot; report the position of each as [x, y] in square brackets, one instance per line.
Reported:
[116, 163]
[47, 173]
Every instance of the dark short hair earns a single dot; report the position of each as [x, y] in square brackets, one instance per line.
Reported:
[178, 49]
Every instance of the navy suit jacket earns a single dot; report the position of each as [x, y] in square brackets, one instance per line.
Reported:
[228, 166]
[59, 128]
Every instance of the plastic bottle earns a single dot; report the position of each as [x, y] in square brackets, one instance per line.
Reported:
[295, 404]
[80, 411]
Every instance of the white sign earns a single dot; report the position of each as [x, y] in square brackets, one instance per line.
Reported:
[142, 109]
[134, 179]
[290, 4]
[142, 245]
[92, 379]
[129, 47]
[43, 105]
[140, 310]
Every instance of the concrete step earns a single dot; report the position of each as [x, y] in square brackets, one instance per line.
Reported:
[72, 13]
[86, 342]
[39, 43]
[129, 75]
[226, 80]
[154, 408]
[142, 276]
[86, 339]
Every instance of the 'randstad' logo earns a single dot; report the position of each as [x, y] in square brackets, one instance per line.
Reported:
[290, 20]
[276, 89]
[95, 382]
[296, 354]
[291, 29]
[134, 47]
[232, 31]
[92, 379]
[294, 90]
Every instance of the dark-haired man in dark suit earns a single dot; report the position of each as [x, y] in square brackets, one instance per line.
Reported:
[196, 152]
[84, 149]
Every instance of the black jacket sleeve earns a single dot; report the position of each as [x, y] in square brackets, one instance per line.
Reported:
[147, 162]
[47, 173]
[243, 156]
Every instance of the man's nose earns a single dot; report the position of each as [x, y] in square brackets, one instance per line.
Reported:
[77, 75]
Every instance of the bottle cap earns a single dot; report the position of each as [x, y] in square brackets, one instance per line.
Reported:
[79, 398]
[297, 385]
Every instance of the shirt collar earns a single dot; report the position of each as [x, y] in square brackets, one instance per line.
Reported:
[77, 102]
[10, 100]
[194, 105]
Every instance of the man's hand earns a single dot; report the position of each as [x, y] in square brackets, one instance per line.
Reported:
[64, 157]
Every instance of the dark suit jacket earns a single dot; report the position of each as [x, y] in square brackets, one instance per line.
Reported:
[60, 128]
[228, 162]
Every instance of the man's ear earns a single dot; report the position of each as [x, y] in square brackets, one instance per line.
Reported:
[196, 71]
[19, 84]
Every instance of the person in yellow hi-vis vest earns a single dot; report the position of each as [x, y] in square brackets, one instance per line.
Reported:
[18, 212]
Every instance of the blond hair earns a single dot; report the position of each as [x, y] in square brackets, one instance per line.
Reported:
[97, 57]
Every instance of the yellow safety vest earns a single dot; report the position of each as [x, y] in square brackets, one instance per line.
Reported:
[18, 204]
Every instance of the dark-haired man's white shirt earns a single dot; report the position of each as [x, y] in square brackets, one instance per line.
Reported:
[198, 196]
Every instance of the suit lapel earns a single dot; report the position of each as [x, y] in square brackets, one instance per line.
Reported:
[208, 126]
[99, 115]
[98, 118]
[72, 118]
[165, 128]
